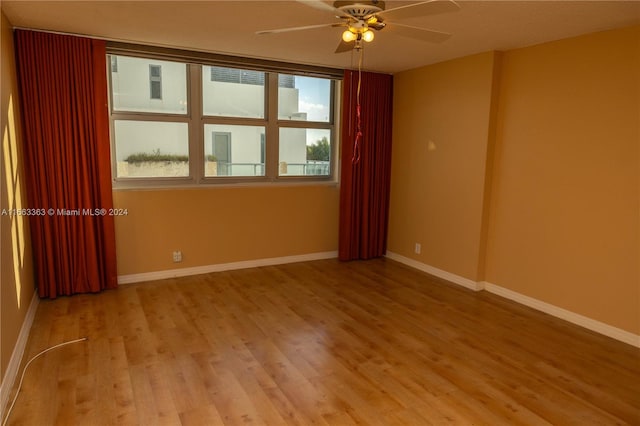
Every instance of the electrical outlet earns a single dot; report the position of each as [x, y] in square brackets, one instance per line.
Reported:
[418, 248]
[177, 256]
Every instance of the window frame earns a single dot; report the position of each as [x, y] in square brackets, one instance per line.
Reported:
[305, 124]
[196, 120]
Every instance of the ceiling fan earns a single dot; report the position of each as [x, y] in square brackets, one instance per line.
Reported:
[360, 17]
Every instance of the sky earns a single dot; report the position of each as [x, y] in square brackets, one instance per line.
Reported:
[314, 99]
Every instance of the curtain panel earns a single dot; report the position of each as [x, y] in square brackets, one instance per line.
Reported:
[367, 106]
[63, 88]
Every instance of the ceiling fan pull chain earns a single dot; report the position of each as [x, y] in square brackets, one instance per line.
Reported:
[356, 144]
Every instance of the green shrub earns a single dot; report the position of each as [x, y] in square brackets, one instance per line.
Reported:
[143, 157]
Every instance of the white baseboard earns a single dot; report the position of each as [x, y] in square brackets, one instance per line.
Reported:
[18, 351]
[572, 317]
[197, 270]
[431, 270]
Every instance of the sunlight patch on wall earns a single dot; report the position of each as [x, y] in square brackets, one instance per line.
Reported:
[14, 197]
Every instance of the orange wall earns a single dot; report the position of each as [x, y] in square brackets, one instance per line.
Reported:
[564, 212]
[17, 285]
[441, 132]
[223, 224]
[533, 184]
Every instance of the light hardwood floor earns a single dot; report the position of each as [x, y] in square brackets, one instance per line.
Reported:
[320, 343]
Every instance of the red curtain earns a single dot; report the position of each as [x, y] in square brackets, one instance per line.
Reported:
[63, 87]
[366, 165]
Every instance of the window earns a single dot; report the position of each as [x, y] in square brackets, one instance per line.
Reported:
[151, 148]
[150, 138]
[304, 152]
[231, 92]
[306, 100]
[155, 81]
[206, 123]
[130, 93]
[232, 150]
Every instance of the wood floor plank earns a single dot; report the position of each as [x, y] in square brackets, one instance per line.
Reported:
[166, 400]
[65, 396]
[205, 415]
[146, 410]
[319, 343]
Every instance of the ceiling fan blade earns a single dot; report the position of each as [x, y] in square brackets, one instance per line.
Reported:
[345, 46]
[320, 5]
[286, 30]
[417, 33]
[431, 7]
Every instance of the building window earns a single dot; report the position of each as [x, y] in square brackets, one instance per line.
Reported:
[235, 75]
[155, 81]
[114, 64]
[235, 125]
[286, 80]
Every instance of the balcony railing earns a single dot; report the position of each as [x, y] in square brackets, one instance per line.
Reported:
[240, 169]
[310, 168]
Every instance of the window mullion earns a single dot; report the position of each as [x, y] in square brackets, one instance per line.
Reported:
[196, 147]
[272, 131]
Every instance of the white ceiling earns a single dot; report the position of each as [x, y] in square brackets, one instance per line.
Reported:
[229, 27]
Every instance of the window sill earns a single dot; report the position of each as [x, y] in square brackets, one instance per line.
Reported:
[235, 184]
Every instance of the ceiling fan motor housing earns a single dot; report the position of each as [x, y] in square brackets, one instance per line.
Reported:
[361, 9]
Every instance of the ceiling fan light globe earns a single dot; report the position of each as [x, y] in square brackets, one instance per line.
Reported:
[348, 36]
[368, 36]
